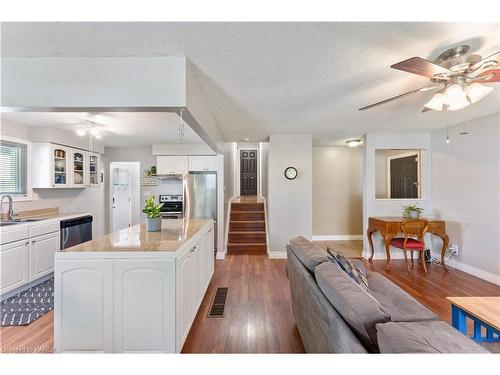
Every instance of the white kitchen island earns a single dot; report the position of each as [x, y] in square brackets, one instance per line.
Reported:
[133, 290]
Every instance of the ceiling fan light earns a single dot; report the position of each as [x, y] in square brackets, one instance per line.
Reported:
[81, 132]
[95, 132]
[436, 102]
[476, 92]
[459, 104]
[454, 94]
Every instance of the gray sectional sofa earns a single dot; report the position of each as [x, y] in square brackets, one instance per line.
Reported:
[334, 315]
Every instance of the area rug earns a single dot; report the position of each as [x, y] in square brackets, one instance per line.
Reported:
[28, 305]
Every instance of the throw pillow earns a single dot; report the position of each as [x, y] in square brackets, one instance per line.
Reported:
[351, 269]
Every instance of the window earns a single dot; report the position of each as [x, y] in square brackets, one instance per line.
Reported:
[14, 168]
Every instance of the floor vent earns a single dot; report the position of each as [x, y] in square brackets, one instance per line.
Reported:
[218, 304]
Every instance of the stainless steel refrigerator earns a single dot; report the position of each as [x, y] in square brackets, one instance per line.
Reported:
[200, 196]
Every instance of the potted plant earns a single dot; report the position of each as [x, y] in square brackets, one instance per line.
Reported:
[412, 211]
[152, 211]
[151, 171]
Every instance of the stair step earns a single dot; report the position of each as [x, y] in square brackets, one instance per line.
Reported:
[248, 248]
[247, 226]
[247, 215]
[247, 237]
[247, 206]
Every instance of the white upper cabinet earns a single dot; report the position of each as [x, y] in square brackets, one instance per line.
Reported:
[200, 163]
[171, 164]
[55, 166]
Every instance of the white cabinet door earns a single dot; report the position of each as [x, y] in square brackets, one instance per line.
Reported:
[61, 167]
[185, 295]
[180, 164]
[197, 163]
[93, 169]
[41, 254]
[79, 170]
[83, 309]
[144, 306]
[164, 165]
[211, 163]
[14, 265]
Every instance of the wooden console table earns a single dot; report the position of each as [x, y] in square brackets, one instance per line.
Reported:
[389, 227]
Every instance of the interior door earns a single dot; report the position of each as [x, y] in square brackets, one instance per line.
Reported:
[248, 172]
[121, 199]
[404, 177]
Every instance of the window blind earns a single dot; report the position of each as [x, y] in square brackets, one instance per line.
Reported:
[13, 167]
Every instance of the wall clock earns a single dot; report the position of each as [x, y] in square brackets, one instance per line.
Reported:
[291, 173]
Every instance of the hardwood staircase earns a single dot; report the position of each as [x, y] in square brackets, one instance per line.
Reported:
[247, 228]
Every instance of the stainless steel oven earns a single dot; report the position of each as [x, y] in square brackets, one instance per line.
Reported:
[173, 206]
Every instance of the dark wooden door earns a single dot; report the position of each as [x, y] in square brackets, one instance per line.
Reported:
[248, 172]
[404, 177]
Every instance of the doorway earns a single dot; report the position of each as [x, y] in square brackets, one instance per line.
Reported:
[403, 177]
[248, 172]
[124, 195]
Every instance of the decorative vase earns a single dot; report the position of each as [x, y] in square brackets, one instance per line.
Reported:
[153, 225]
[414, 214]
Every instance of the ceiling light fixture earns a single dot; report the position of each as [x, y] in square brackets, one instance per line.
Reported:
[354, 142]
[457, 96]
[89, 129]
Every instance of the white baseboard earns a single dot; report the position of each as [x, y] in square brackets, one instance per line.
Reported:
[220, 255]
[337, 237]
[492, 278]
[277, 255]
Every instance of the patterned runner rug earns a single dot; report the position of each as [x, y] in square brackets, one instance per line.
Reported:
[28, 305]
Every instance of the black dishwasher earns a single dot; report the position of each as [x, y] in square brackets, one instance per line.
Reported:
[76, 231]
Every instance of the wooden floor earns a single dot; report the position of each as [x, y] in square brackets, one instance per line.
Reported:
[258, 315]
[350, 248]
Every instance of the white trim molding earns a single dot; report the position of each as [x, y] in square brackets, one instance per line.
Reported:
[220, 255]
[277, 255]
[474, 271]
[338, 237]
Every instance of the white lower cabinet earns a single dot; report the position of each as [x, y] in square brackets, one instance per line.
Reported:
[144, 306]
[126, 304]
[84, 306]
[14, 265]
[41, 254]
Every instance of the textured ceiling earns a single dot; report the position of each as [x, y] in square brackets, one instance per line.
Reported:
[283, 78]
[119, 129]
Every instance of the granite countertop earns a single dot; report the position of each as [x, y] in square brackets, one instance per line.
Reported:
[174, 233]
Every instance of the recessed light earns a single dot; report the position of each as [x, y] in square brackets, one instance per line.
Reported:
[354, 142]
[81, 132]
[246, 139]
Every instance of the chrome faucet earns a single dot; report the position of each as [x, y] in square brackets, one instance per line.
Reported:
[10, 213]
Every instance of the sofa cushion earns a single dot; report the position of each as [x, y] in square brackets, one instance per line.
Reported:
[349, 268]
[424, 337]
[360, 310]
[308, 254]
[396, 302]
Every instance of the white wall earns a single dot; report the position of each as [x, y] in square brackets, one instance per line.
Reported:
[337, 191]
[67, 200]
[289, 202]
[466, 193]
[391, 207]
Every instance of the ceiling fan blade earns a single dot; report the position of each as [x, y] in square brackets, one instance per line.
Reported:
[422, 89]
[422, 67]
[493, 57]
[488, 76]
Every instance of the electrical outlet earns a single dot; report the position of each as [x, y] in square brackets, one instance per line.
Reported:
[453, 249]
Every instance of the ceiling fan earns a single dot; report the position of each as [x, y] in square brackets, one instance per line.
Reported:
[458, 75]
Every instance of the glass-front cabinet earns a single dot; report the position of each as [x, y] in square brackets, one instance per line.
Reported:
[79, 170]
[60, 166]
[94, 161]
[56, 166]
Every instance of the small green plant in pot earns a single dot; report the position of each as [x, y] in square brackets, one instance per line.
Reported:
[412, 211]
[152, 211]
